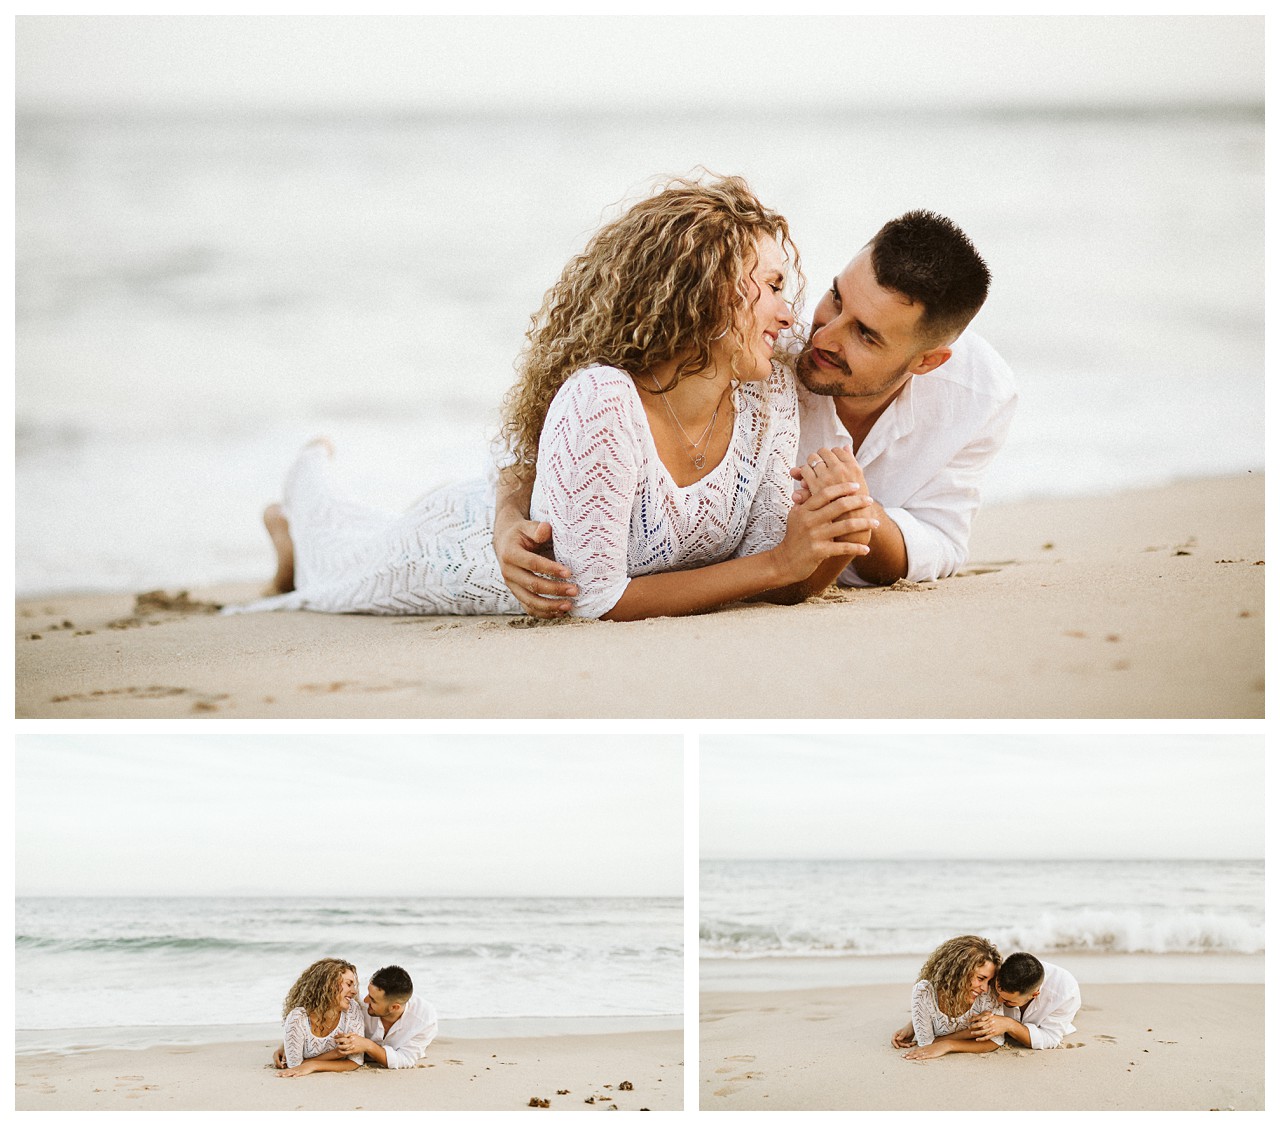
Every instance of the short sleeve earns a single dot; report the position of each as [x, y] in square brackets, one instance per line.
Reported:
[776, 440]
[295, 1037]
[589, 464]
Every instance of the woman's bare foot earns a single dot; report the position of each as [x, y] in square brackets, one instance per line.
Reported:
[278, 530]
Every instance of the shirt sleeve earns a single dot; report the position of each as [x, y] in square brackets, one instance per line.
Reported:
[410, 1052]
[1049, 1031]
[295, 1037]
[923, 1007]
[588, 469]
[778, 421]
[936, 521]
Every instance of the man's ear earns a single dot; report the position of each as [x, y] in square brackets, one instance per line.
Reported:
[931, 359]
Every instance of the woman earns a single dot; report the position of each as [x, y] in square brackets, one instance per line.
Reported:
[657, 427]
[319, 1008]
[955, 985]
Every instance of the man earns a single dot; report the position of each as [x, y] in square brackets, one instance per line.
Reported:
[888, 370]
[1040, 1001]
[397, 1025]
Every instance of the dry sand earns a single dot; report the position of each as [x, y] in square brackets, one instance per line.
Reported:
[501, 1074]
[1136, 1047]
[1143, 604]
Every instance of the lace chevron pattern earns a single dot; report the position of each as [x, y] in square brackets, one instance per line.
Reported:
[614, 511]
[300, 1043]
[930, 1022]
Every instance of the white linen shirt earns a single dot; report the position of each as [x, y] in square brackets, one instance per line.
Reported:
[925, 457]
[1048, 1015]
[409, 1036]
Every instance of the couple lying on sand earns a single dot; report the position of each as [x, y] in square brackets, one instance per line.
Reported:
[327, 1029]
[968, 999]
[656, 429]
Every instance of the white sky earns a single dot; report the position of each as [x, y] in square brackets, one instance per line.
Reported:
[305, 815]
[777, 60]
[982, 796]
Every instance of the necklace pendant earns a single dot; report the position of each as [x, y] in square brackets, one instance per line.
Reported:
[699, 461]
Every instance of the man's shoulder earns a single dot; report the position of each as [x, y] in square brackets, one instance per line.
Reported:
[978, 368]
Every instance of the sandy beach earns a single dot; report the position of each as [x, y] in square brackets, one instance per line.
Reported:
[571, 1072]
[1137, 1047]
[1081, 607]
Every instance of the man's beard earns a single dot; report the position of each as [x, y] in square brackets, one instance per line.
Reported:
[808, 374]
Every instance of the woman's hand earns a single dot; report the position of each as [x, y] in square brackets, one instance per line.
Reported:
[306, 1067]
[928, 1051]
[828, 524]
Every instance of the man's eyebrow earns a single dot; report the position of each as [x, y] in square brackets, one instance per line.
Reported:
[869, 332]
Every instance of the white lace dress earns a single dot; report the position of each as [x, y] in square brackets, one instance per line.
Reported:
[930, 1022]
[613, 508]
[300, 1043]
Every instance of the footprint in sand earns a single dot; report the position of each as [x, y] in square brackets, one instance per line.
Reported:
[742, 1059]
[1106, 1039]
[1077, 1044]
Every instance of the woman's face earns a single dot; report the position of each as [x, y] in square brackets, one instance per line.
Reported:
[766, 315]
[981, 979]
[346, 989]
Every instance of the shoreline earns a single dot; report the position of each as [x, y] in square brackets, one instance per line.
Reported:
[75, 1041]
[1077, 607]
[481, 1074]
[773, 974]
[1136, 1047]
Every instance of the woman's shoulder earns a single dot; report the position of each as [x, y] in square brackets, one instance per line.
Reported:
[596, 390]
[922, 988]
[295, 1015]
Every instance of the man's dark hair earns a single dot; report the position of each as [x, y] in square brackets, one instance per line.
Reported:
[1020, 973]
[395, 984]
[926, 257]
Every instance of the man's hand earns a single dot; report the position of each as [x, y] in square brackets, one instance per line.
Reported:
[349, 1043]
[987, 1026]
[543, 587]
[904, 1037]
[928, 1051]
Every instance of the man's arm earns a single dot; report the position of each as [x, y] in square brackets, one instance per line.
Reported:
[542, 586]
[989, 1025]
[351, 1044]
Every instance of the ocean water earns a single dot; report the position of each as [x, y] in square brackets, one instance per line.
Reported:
[875, 909]
[162, 963]
[196, 297]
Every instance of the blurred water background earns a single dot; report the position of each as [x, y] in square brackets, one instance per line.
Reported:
[817, 921]
[94, 971]
[198, 295]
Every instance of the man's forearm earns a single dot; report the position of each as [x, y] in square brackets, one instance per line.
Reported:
[1018, 1031]
[887, 562]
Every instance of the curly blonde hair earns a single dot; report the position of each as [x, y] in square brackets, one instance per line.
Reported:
[316, 990]
[659, 283]
[951, 967]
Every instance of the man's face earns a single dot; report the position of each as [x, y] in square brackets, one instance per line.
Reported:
[377, 1004]
[1016, 1000]
[863, 343]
